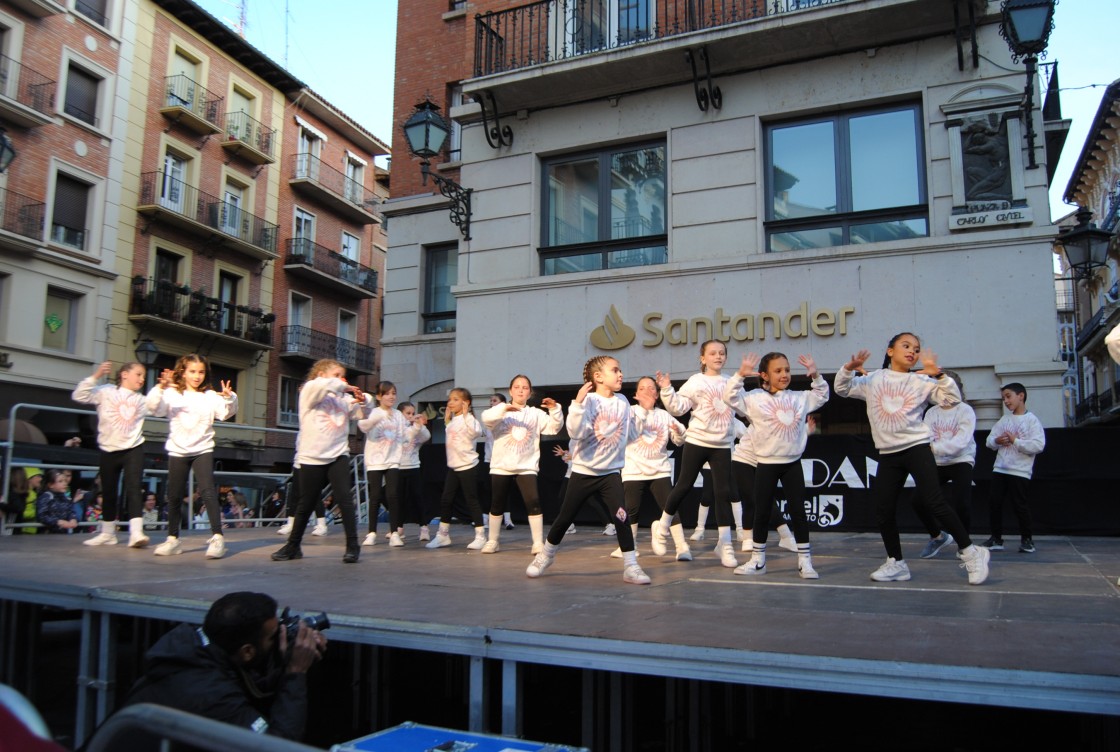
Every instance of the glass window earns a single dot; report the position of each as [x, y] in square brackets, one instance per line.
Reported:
[58, 320]
[845, 179]
[289, 401]
[95, 10]
[70, 212]
[442, 273]
[81, 95]
[604, 210]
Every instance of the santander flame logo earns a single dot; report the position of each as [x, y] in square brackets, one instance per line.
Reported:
[614, 334]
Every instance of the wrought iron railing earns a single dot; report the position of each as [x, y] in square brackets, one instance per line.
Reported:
[21, 214]
[91, 12]
[160, 189]
[1090, 326]
[26, 86]
[247, 130]
[169, 301]
[1087, 408]
[321, 258]
[302, 340]
[308, 166]
[180, 91]
[550, 30]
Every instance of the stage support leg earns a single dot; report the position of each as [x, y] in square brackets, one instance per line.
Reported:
[511, 691]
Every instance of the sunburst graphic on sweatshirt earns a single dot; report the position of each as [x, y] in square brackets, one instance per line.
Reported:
[893, 404]
[651, 442]
[517, 436]
[943, 429]
[712, 410]
[608, 425]
[781, 417]
[332, 415]
[123, 410]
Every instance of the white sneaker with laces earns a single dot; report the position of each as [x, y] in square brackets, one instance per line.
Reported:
[491, 547]
[107, 536]
[137, 538]
[395, 540]
[634, 575]
[805, 569]
[657, 538]
[697, 534]
[609, 529]
[478, 542]
[892, 571]
[320, 527]
[217, 546]
[370, 540]
[442, 540]
[756, 565]
[975, 559]
[727, 556]
[425, 536]
[286, 527]
[169, 547]
[541, 562]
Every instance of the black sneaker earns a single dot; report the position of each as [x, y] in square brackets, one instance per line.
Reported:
[993, 544]
[1026, 546]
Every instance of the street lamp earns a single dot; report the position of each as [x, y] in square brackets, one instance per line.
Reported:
[1025, 26]
[426, 132]
[147, 353]
[1085, 246]
[7, 150]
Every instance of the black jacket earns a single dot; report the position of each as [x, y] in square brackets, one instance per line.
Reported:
[186, 673]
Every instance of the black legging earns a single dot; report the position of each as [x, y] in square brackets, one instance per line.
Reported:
[389, 495]
[890, 478]
[411, 493]
[178, 468]
[129, 464]
[694, 458]
[607, 490]
[956, 485]
[634, 490]
[312, 480]
[744, 474]
[467, 480]
[793, 484]
[1015, 488]
[294, 498]
[500, 490]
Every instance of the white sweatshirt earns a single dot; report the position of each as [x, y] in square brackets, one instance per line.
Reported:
[385, 438]
[192, 415]
[602, 427]
[895, 401]
[325, 410]
[120, 414]
[463, 433]
[1030, 439]
[778, 419]
[414, 437]
[1112, 342]
[517, 437]
[710, 424]
[952, 434]
[647, 455]
[744, 448]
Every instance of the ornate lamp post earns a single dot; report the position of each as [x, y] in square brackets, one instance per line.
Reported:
[426, 132]
[1085, 246]
[1026, 26]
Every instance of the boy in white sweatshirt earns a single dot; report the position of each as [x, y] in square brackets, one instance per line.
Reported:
[1016, 439]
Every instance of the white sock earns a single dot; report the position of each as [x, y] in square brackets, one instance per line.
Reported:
[495, 527]
[701, 517]
[737, 513]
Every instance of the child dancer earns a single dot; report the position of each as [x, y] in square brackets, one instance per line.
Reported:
[601, 426]
[744, 465]
[184, 396]
[326, 405]
[1016, 439]
[517, 430]
[120, 437]
[710, 433]
[647, 464]
[895, 398]
[778, 417]
[385, 429]
[951, 430]
[463, 432]
[411, 483]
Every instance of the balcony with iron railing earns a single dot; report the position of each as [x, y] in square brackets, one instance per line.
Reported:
[247, 138]
[21, 221]
[342, 194]
[310, 260]
[26, 95]
[38, 8]
[653, 37]
[1087, 409]
[164, 304]
[305, 344]
[1090, 327]
[190, 104]
[167, 199]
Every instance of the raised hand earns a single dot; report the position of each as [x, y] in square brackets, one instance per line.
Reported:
[227, 389]
[548, 403]
[584, 391]
[929, 362]
[662, 380]
[857, 361]
[166, 378]
[809, 364]
[749, 366]
[103, 370]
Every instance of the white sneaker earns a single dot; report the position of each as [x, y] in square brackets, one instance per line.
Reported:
[169, 547]
[727, 556]
[104, 538]
[541, 562]
[805, 570]
[976, 563]
[320, 527]
[657, 538]
[609, 529]
[571, 529]
[754, 566]
[370, 540]
[395, 540]
[748, 545]
[491, 547]
[697, 534]
[442, 540]
[892, 571]
[478, 542]
[684, 554]
[217, 546]
[789, 544]
[634, 575]
[286, 528]
[425, 536]
[137, 538]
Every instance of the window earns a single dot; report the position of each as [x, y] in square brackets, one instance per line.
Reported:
[604, 210]
[608, 23]
[299, 312]
[846, 179]
[172, 188]
[69, 215]
[231, 219]
[307, 156]
[167, 266]
[350, 246]
[442, 272]
[227, 294]
[95, 10]
[59, 315]
[345, 349]
[289, 401]
[81, 95]
[353, 189]
[303, 235]
[350, 250]
[455, 140]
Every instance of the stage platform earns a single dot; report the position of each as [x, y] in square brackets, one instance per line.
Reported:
[1043, 632]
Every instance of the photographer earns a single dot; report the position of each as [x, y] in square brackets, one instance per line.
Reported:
[240, 667]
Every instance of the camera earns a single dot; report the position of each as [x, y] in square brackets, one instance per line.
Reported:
[289, 622]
